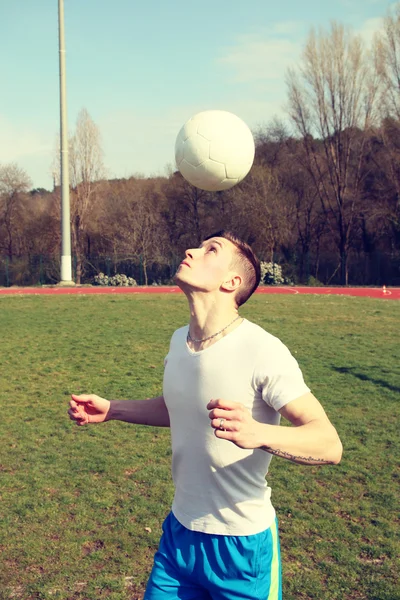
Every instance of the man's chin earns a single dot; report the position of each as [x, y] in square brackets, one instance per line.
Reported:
[177, 279]
[180, 280]
[188, 287]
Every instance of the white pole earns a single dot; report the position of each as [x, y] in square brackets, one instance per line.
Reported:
[66, 270]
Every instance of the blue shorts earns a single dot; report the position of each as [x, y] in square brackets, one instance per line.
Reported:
[190, 565]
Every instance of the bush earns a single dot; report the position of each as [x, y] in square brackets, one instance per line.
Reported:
[313, 282]
[271, 273]
[119, 280]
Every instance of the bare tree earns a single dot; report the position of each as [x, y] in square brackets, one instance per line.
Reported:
[310, 219]
[149, 229]
[262, 215]
[86, 173]
[131, 222]
[332, 103]
[387, 55]
[188, 214]
[41, 224]
[14, 182]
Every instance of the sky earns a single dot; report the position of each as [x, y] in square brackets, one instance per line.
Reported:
[142, 69]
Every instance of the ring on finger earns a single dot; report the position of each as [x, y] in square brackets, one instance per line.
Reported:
[221, 425]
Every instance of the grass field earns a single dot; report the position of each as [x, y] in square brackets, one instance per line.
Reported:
[81, 508]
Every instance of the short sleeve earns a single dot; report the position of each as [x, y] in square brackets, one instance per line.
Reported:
[279, 378]
[175, 336]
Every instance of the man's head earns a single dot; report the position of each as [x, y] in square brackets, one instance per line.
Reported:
[222, 262]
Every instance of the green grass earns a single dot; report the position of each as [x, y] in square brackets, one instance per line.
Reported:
[81, 508]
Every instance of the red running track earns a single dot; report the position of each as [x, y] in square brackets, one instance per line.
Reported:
[383, 293]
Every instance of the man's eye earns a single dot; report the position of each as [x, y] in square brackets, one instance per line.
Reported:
[212, 249]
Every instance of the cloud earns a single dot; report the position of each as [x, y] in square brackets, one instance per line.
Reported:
[356, 4]
[32, 149]
[286, 27]
[254, 68]
[263, 56]
[369, 28]
[18, 141]
[142, 142]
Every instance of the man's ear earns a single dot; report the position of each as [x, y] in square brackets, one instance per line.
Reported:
[232, 282]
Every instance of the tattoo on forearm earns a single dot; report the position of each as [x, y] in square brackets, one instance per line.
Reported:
[298, 459]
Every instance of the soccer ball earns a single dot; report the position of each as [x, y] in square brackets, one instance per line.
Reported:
[214, 150]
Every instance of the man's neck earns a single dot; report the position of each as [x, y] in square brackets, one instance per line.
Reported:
[208, 317]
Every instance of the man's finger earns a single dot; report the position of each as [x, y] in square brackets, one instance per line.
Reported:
[220, 403]
[82, 420]
[224, 434]
[82, 397]
[221, 424]
[218, 413]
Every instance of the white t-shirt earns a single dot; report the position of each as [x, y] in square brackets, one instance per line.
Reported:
[219, 487]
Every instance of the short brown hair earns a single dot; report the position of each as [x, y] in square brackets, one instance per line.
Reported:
[247, 260]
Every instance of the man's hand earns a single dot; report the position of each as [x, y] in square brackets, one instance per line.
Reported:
[312, 441]
[88, 408]
[232, 421]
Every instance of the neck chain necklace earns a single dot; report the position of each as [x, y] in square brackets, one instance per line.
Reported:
[189, 337]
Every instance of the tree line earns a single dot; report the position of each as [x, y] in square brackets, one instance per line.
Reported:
[322, 198]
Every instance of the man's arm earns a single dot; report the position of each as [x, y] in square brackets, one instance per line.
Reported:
[89, 408]
[142, 412]
[312, 441]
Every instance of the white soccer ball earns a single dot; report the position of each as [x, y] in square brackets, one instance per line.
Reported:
[214, 150]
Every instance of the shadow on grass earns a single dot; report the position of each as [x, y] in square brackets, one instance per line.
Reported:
[363, 377]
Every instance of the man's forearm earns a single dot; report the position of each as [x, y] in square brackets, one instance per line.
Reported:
[141, 412]
[315, 443]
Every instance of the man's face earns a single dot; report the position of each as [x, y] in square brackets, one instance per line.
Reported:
[206, 268]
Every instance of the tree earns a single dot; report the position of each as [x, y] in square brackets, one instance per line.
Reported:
[261, 211]
[150, 238]
[131, 224]
[14, 182]
[332, 104]
[310, 220]
[188, 213]
[86, 173]
[387, 54]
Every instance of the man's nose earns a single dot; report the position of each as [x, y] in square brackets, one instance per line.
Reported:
[191, 252]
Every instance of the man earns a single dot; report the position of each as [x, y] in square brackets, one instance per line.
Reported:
[226, 384]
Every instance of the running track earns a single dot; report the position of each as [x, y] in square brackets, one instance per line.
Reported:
[383, 293]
